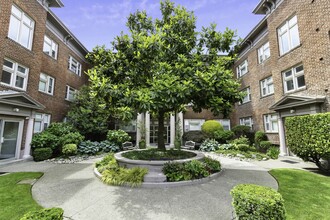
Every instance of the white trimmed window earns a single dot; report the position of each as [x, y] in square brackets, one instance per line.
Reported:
[74, 66]
[126, 126]
[242, 69]
[41, 122]
[46, 84]
[50, 47]
[294, 79]
[263, 52]
[246, 121]
[21, 27]
[225, 123]
[247, 97]
[70, 93]
[267, 86]
[14, 75]
[288, 35]
[270, 122]
[193, 124]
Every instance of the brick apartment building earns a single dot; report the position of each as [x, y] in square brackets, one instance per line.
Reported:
[42, 64]
[284, 66]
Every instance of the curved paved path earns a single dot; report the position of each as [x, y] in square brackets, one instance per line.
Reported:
[84, 197]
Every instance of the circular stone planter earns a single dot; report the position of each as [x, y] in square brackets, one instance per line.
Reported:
[152, 165]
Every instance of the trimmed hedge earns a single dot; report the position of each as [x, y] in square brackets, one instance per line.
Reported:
[309, 137]
[257, 202]
[69, 149]
[265, 145]
[211, 126]
[258, 137]
[243, 130]
[44, 214]
[41, 154]
[196, 136]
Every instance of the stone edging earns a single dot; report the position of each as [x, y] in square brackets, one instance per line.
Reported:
[172, 184]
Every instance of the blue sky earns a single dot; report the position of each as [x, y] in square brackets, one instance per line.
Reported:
[97, 22]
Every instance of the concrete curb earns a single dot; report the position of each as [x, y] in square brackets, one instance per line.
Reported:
[171, 184]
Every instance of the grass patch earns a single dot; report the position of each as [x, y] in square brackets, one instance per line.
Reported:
[155, 154]
[306, 195]
[16, 199]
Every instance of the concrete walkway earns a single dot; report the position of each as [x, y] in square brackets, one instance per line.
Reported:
[74, 188]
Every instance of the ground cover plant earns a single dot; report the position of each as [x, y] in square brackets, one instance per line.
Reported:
[156, 154]
[190, 170]
[113, 174]
[93, 147]
[16, 199]
[306, 195]
[44, 214]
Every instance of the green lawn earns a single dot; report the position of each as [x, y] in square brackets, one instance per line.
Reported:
[16, 199]
[306, 195]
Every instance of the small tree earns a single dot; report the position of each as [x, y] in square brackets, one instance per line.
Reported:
[164, 64]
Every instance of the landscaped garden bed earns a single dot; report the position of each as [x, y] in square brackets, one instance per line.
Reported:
[156, 155]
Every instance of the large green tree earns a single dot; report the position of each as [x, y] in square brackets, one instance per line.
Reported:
[165, 64]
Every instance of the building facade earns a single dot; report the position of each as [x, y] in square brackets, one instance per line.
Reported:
[43, 66]
[284, 66]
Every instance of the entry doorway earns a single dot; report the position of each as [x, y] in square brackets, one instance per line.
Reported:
[154, 131]
[10, 138]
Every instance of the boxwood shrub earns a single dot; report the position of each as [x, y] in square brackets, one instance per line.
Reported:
[41, 154]
[211, 126]
[308, 137]
[69, 149]
[44, 214]
[257, 202]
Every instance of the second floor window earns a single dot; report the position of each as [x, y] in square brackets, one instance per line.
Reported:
[294, 79]
[74, 66]
[263, 52]
[14, 75]
[247, 97]
[50, 47]
[46, 84]
[267, 86]
[242, 69]
[70, 93]
[21, 27]
[288, 35]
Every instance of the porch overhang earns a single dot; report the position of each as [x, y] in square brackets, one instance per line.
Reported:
[19, 99]
[293, 101]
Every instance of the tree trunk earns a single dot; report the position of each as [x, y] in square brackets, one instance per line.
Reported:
[161, 143]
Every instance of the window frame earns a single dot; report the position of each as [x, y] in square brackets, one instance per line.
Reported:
[243, 120]
[19, 29]
[248, 95]
[294, 77]
[48, 84]
[262, 56]
[74, 66]
[241, 66]
[44, 121]
[270, 119]
[50, 45]
[67, 93]
[289, 30]
[14, 74]
[265, 84]
[188, 121]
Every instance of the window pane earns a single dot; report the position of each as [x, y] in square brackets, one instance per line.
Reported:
[299, 69]
[16, 11]
[8, 64]
[301, 81]
[37, 126]
[294, 36]
[289, 85]
[42, 86]
[27, 21]
[25, 36]
[46, 48]
[21, 69]
[288, 74]
[293, 21]
[285, 42]
[6, 77]
[274, 126]
[13, 28]
[271, 88]
[19, 82]
[50, 87]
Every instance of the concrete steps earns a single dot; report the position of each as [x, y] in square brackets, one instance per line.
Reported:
[154, 177]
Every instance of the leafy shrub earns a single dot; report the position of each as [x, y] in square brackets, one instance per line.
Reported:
[212, 165]
[175, 172]
[196, 169]
[243, 130]
[308, 137]
[44, 139]
[118, 136]
[223, 136]
[243, 147]
[258, 137]
[69, 149]
[257, 202]
[71, 138]
[156, 154]
[196, 136]
[273, 152]
[211, 126]
[44, 214]
[113, 174]
[265, 145]
[241, 140]
[60, 129]
[88, 147]
[41, 154]
[106, 146]
[209, 145]
[226, 146]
